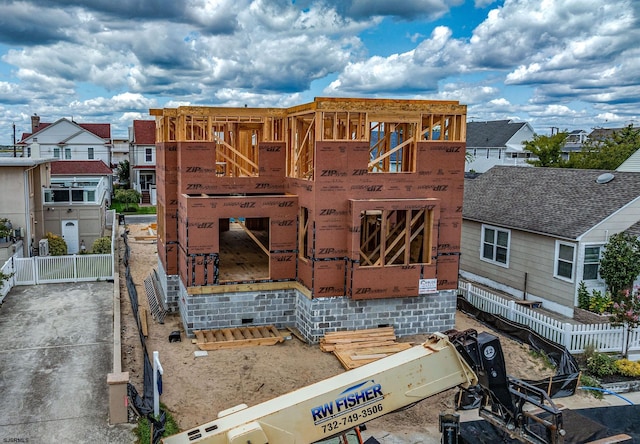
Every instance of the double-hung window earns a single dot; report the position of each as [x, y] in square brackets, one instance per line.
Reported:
[565, 258]
[591, 262]
[495, 245]
[148, 156]
[90, 153]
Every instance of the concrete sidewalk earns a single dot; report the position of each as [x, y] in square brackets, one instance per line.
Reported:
[56, 347]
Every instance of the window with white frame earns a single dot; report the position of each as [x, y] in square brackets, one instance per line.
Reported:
[565, 258]
[56, 152]
[148, 155]
[591, 262]
[495, 245]
[90, 153]
[67, 153]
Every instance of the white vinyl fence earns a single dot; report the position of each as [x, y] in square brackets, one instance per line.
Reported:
[54, 269]
[575, 337]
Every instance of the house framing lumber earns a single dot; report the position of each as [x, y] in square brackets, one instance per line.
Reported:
[353, 197]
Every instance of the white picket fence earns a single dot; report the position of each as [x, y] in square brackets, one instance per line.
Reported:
[56, 269]
[575, 337]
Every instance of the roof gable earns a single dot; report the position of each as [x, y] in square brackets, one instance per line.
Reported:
[553, 201]
[144, 132]
[496, 133]
[63, 128]
[80, 168]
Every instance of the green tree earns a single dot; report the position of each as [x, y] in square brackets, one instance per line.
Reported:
[626, 313]
[127, 197]
[608, 154]
[620, 263]
[123, 173]
[547, 149]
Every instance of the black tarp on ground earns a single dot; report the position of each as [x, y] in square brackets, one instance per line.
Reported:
[144, 404]
[565, 382]
[582, 425]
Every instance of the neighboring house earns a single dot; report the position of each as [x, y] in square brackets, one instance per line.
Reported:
[142, 159]
[76, 201]
[68, 140]
[21, 179]
[601, 134]
[119, 153]
[539, 232]
[632, 163]
[573, 143]
[498, 142]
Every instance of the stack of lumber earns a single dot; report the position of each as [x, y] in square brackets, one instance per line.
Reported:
[355, 348]
[237, 337]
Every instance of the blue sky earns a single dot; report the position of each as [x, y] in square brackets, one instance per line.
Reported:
[571, 64]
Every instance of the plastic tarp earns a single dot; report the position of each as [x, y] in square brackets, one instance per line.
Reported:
[565, 382]
[144, 404]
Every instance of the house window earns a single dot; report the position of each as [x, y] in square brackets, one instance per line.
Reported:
[147, 155]
[495, 245]
[56, 152]
[67, 153]
[591, 263]
[565, 258]
[90, 153]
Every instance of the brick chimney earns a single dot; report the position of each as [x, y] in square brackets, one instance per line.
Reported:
[35, 123]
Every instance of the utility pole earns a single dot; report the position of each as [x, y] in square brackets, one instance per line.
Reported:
[14, 139]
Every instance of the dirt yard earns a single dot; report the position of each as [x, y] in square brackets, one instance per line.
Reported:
[196, 389]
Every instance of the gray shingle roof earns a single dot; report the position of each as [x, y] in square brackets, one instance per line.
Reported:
[555, 201]
[491, 134]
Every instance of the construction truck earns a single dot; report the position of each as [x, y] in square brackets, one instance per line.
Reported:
[332, 410]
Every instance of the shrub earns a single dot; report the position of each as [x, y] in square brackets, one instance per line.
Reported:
[102, 245]
[588, 381]
[601, 365]
[599, 303]
[628, 368]
[583, 296]
[57, 245]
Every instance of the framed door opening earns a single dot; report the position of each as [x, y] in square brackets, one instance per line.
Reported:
[244, 249]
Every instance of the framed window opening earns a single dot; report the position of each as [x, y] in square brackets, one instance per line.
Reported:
[395, 237]
[591, 266]
[56, 152]
[495, 245]
[304, 249]
[67, 153]
[90, 153]
[392, 147]
[565, 257]
[148, 155]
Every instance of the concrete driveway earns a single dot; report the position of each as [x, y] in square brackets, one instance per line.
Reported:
[56, 348]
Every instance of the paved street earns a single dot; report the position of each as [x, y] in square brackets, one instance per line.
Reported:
[56, 347]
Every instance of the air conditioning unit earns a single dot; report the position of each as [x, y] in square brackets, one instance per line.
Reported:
[43, 247]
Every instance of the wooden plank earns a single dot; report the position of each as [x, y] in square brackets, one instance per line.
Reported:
[237, 337]
[143, 321]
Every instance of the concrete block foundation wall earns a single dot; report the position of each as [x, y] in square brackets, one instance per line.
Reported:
[314, 317]
[171, 286]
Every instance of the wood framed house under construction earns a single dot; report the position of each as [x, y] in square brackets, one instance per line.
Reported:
[336, 214]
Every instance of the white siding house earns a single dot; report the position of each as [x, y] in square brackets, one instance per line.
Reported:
[498, 142]
[68, 140]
